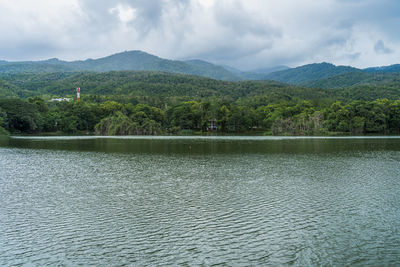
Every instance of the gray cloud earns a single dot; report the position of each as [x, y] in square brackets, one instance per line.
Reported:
[246, 34]
[380, 48]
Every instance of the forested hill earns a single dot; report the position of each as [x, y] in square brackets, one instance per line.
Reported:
[306, 75]
[357, 79]
[130, 60]
[162, 85]
[153, 84]
[311, 72]
[326, 75]
[384, 69]
[32, 67]
[137, 61]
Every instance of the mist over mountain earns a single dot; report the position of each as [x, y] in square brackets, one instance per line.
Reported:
[268, 70]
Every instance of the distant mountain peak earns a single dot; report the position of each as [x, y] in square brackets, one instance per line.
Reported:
[51, 60]
[132, 53]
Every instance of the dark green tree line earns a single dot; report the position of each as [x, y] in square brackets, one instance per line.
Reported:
[109, 117]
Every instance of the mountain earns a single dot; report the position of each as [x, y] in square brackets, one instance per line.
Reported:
[314, 75]
[32, 67]
[137, 61]
[311, 72]
[357, 79]
[231, 69]
[206, 69]
[340, 81]
[269, 70]
[384, 69]
[326, 75]
[125, 61]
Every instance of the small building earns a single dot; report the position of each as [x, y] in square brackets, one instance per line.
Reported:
[60, 99]
[212, 125]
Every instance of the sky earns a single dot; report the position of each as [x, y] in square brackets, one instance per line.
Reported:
[247, 34]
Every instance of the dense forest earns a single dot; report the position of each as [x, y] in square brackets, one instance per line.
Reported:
[128, 116]
[146, 102]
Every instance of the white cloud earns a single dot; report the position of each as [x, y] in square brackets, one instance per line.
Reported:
[125, 13]
[207, 3]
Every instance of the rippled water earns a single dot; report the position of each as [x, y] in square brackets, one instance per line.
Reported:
[199, 201]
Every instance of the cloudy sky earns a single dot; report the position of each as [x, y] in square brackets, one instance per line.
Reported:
[246, 34]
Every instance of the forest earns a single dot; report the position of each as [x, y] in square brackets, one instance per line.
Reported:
[109, 117]
[154, 103]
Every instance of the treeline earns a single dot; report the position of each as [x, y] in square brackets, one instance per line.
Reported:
[109, 117]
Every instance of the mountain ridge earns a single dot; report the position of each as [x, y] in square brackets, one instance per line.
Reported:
[136, 60]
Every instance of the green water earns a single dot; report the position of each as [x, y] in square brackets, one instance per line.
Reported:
[187, 201]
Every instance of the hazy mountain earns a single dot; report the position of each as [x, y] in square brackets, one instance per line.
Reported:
[311, 72]
[315, 75]
[207, 69]
[33, 67]
[268, 70]
[384, 69]
[231, 69]
[125, 61]
[256, 74]
[138, 61]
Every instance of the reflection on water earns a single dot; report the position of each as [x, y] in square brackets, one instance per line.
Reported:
[193, 201]
[205, 145]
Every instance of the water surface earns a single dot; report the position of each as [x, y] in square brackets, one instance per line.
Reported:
[242, 201]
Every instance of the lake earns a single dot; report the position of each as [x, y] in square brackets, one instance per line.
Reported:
[199, 201]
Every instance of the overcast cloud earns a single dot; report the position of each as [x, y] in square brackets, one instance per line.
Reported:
[245, 34]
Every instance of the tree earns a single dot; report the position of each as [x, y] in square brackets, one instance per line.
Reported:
[3, 119]
[223, 117]
[21, 116]
[186, 115]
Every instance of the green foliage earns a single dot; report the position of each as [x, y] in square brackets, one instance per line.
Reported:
[21, 116]
[3, 119]
[121, 124]
[8, 90]
[129, 119]
[186, 116]
[160, 89]
[308, 73]
[153, 103]
[155, 85]
[379, 116]
[35, 115]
